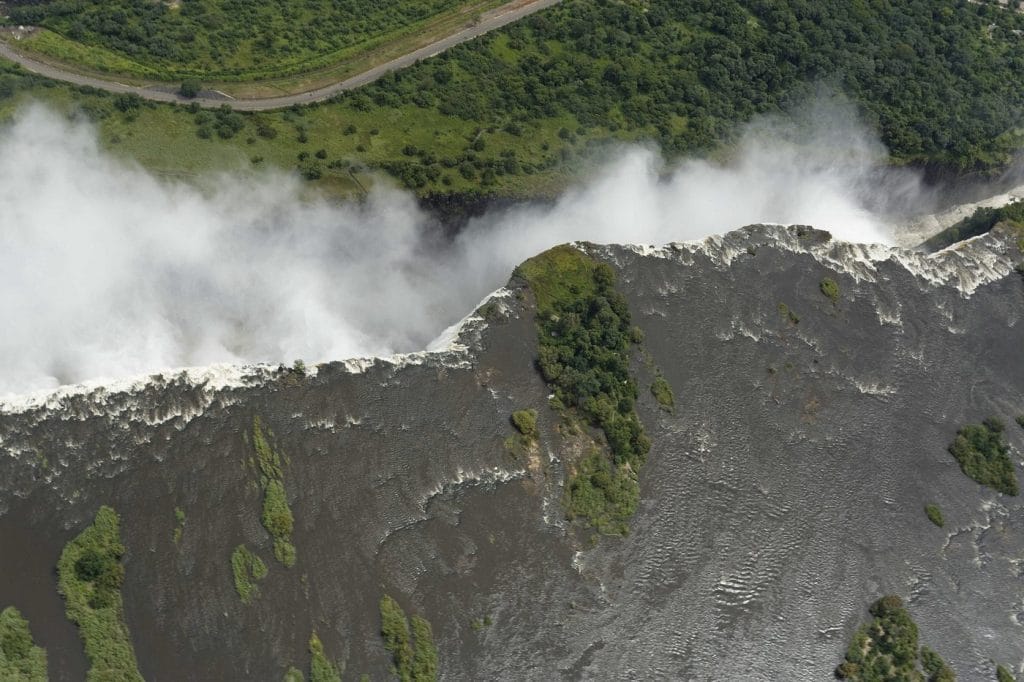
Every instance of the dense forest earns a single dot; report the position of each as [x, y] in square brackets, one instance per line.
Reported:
[941, 79]
[518, 110]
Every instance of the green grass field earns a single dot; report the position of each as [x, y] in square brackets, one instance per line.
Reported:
[224, 42]
[360, 149]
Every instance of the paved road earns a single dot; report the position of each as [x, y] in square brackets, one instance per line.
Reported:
[506, 14]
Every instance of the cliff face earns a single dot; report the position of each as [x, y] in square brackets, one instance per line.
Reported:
[783, 494]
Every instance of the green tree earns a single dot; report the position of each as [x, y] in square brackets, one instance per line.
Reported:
[190, 88]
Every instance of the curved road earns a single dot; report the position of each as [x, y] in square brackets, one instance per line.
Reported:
[506, 14]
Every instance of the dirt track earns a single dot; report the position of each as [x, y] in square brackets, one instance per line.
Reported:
[506, 14]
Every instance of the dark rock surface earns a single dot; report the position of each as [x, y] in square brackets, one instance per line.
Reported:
[782, 496]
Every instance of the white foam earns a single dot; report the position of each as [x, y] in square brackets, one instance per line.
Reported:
[964, 267]
[448, 349]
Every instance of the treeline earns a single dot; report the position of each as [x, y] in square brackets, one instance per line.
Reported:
[978, 223]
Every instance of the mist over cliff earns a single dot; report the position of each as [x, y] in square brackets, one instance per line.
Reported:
[110, 272]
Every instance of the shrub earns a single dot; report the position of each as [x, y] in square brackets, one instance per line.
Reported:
[604, 495]
[277, 516]
[788, 314]
[395, 630]
[1004, 675]
[1020, 421]
[424, 657]
[662, 392]
[179, 527]
[190, 88]
[127, 103]
[415, 660]
[984, 456]
[887, 649]
[247, 568]
[89, 578]
[265, 130]
[934, 667]
[934, 514]
[830, 289]
[525, 422]
[20, 658]
[320, 668]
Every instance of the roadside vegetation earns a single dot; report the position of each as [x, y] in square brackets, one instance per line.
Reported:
[887, 649]
[224, 41]
[522, 110]
[934, 514]
[984, 455]
[247, 568]
[412, 650]
[90, 574]
[981, 222]
[20, 659]
[585, 341]
[277, 516]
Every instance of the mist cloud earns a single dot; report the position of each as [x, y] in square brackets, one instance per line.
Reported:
[109, 272]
